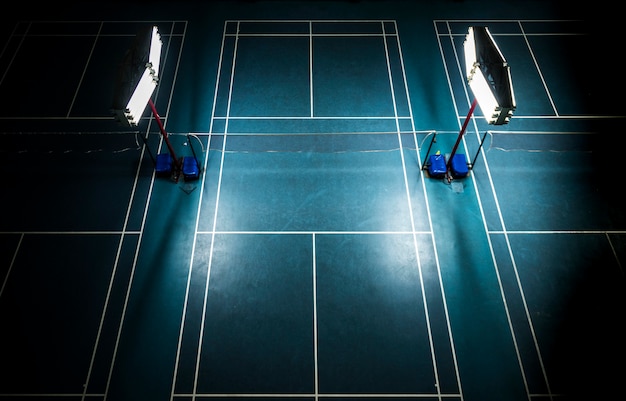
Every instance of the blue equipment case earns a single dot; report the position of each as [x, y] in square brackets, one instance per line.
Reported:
[437, 166]
[190, 168]
[163, 164]
[458, 166]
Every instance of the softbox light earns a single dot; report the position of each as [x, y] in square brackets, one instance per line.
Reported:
[138, 76]
[488, 75]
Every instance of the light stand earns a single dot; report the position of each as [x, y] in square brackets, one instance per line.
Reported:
[489, 77]
[137, 80]
[175, 160]
[461, 133]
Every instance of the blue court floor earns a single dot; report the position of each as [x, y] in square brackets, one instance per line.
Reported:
[315, 258]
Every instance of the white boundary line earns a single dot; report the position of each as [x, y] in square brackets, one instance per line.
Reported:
[410, 207]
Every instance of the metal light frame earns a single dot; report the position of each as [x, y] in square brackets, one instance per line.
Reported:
[139, 77]
[489, 77]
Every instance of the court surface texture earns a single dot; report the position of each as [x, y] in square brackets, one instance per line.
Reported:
[315, 257]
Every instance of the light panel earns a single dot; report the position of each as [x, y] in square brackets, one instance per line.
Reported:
[139, 100]
[488, 76]
[142, 61]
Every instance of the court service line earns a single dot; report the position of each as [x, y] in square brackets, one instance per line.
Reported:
[410, 207]
[310, 117]
[533, 232]
[569, 116]
[113, 232]
[305, 35]
[483, 21]
[430, 397]
[527, 34]
[454, 396]
[42, 396]
[311, 232]
[303, 21]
